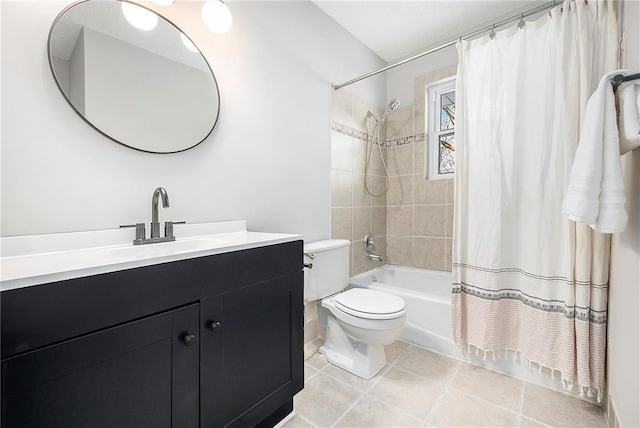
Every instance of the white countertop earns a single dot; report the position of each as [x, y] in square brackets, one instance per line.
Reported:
[39, 259]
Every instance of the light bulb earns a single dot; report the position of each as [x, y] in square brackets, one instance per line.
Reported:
[188, 43]
[216, 16]
[139, 17]
[163, 2]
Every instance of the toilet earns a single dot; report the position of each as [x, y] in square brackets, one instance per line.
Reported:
[359, 322]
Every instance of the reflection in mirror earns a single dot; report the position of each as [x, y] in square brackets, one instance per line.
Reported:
[136, 78]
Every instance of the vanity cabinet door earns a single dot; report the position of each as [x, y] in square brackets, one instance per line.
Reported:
[251, 352]
[140, 374]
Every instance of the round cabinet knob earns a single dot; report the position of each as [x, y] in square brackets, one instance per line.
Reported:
[189, 339]
[215, 326]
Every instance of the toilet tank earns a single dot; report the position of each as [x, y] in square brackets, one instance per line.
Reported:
[330, 271]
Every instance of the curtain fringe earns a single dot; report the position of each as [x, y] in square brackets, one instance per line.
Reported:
[583, 390]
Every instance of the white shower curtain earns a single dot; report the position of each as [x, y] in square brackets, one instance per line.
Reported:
[525, 278]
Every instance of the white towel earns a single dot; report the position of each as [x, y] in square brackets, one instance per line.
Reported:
[629, 116]
[596, 190]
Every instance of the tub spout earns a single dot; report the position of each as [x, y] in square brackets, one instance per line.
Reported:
[372, 256]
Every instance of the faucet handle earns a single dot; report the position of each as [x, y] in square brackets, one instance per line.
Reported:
[140, 229]
[168, 227]
[369, 242]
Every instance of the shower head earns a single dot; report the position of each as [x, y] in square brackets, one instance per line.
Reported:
[394, 104]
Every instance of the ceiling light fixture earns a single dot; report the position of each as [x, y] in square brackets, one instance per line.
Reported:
[216, 16]
[139, 17]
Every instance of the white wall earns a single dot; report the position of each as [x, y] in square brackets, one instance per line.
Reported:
[267, 161]
[400, 83]
[624, 294]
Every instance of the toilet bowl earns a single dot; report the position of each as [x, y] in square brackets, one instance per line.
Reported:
[359, 322]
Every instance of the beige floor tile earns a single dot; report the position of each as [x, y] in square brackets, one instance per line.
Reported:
[348, 378]
[560, 410]
[297, 422]
[317, 361]
[488, 385]
[394, 350]
[311, 330]
[323, 400]
[407, 391]
[530, 423]
[308, 372]
[460, 410]
[371, 412]
[311, 348]
[433, 366]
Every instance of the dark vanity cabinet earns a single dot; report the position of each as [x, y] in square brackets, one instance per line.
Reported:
[249, 361]
[211, 341]
[137, 375]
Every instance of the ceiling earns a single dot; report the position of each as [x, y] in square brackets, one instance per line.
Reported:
[396, 29]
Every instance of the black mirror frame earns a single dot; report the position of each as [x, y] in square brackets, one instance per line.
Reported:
[55, 77]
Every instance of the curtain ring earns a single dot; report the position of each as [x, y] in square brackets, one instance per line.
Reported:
[521, 24]
[492, 34]
[553, 3]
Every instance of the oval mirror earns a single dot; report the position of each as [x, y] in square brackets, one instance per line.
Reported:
[133, 76]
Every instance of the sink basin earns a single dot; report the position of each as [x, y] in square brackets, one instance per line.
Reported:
[167, 248]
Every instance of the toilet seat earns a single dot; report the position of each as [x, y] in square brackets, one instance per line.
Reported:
[370, 304]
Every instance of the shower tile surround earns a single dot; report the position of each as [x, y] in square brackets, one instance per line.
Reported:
[420, 388]
[413, 222]
[354, 212]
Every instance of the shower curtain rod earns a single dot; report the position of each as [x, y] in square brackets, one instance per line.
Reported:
[476, 33]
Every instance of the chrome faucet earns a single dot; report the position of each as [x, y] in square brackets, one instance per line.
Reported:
[155, 225]
[140, 238]
[372, 256]
[369, 246]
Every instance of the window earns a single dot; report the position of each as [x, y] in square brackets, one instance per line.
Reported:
[441, 119]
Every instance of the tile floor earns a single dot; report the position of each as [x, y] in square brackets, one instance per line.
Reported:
[420, 388]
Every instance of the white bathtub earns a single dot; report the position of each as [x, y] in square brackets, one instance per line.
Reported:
[428, 297]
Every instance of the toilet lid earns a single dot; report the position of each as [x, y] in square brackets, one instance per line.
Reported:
[367, 303]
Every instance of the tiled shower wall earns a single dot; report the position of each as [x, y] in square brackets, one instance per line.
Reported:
[354, 212]
[419, 211]
[413, 222]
